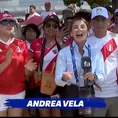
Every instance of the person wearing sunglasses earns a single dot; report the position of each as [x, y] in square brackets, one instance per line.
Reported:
[49, 46]
[15, 63]
[6, 22]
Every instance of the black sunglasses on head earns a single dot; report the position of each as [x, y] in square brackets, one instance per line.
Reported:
[49, 25]
[6, 22]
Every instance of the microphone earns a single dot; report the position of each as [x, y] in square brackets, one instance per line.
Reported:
[87, 67]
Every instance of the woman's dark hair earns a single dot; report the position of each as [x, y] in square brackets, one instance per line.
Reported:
[34, 27]
[84, 16]
[69, 18]
[110, 9]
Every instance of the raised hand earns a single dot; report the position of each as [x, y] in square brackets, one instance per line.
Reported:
[67, 76]
[89, 76]
[30, 65]
[61, 34]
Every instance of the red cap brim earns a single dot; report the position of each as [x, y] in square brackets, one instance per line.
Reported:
[8, 18]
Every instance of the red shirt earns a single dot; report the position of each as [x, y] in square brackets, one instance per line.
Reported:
[50, 54]
[12, 79]
[32, 83]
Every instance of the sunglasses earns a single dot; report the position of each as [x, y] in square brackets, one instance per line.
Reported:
[51, 25]
[6, 22]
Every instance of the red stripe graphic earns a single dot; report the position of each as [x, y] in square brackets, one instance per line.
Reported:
[50, 65]
[108, 48]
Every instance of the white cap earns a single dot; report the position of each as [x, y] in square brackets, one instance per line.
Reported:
[99, 11]
[116, 11]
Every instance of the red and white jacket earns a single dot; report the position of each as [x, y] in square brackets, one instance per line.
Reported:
[50, 55]
[108, 46]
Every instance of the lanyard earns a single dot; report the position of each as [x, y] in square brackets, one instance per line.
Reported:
[74, 64]
[89, 50]
[74, 61]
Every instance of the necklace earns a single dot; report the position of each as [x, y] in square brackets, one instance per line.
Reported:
[50, 44]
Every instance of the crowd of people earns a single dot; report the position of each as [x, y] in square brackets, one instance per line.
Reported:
[41, 58]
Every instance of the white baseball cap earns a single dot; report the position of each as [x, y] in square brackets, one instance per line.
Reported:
[99, 11]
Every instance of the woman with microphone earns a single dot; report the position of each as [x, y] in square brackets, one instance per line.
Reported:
[70, 73]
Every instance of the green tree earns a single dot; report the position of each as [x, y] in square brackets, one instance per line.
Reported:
[90, 2]
[115, 4]
[68, 2]
[98, 2]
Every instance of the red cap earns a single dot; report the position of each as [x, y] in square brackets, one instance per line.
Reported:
[33, 20]
[48, 3]
[51, 17]
[4, 16]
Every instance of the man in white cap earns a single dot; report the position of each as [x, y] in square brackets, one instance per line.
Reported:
[107, 43]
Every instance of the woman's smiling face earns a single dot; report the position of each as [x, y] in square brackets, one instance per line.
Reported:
[79, 31]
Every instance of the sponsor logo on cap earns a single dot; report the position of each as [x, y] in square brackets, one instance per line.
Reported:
[6, 15]
[99, 11]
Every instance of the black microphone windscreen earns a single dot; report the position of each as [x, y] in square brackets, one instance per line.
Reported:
[86, 63]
